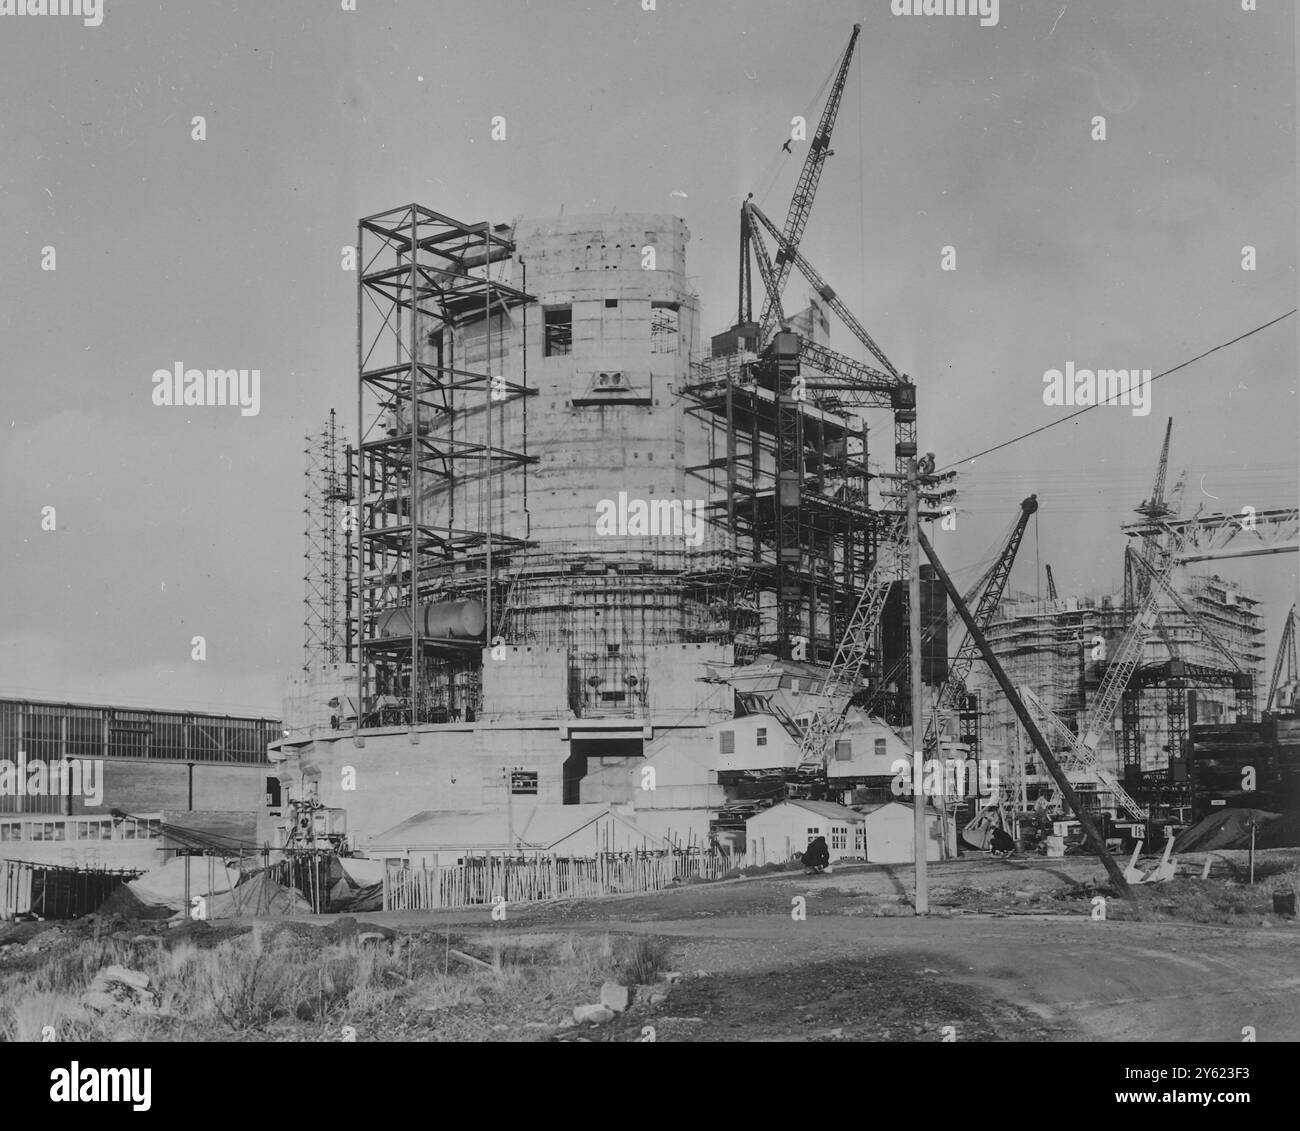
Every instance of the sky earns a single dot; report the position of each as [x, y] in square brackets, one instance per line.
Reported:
[171, 523]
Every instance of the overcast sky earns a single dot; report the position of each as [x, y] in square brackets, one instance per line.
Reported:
[226, 253]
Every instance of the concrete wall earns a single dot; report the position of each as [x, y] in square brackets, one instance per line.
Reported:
[635, 442]
[148, 785]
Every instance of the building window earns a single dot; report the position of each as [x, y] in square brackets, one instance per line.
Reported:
[843, 750]
[558, 325]
[611, 304]
[840, 836]
[727, 742]
[664, 327]
[860, 839]
[760, 736]
[882, 747]
[813, 833]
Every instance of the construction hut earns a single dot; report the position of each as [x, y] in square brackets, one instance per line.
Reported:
[784, 829]
[890, 833]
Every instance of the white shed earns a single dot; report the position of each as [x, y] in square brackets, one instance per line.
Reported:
[788, 827]
[890, 833]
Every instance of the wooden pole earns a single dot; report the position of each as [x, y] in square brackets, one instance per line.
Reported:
[1090, 832]
[919, 829]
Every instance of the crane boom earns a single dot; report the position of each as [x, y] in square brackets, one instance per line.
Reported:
[1078, 760]
[823, 289]
[844, 675]
[989, 599]
[802, 201]
[1286, 660]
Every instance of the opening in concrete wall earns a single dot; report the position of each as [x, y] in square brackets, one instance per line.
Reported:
[588, 755]
[558, 323]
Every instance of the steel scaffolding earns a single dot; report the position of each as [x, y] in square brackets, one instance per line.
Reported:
[426, 405]
[328, 551]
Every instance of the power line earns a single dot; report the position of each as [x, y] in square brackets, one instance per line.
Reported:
[1089, 408]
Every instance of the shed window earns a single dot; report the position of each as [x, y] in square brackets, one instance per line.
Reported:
[839, 836]
[843, 750]
[727, 742]
[882, 747]
[760, 736]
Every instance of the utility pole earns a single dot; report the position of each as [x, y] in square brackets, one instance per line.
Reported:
[911, 491]
[508, 774]
[1090, 832]
[919, 481]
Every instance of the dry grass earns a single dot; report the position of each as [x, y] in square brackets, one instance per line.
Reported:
[252, 984]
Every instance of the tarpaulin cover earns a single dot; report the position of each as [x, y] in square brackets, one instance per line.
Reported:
[1229, 828]
[362, 873]
[258, 895]
[165, 886]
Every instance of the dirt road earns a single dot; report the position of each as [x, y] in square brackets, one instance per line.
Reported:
[846, 971]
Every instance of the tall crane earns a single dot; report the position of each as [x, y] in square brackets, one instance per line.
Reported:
[1082, 751]
[1051, 583]
[989, 600]
[801, 203]
[1285, 664]
[1154, 510]
[844, 676]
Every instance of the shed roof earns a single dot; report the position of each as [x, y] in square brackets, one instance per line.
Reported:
[828, 809]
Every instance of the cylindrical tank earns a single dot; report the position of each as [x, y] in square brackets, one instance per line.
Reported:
[456, 620]
[443, 620]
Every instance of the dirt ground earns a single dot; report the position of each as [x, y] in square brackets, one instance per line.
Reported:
[1012, 951]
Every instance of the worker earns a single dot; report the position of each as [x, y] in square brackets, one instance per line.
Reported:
[1001, 844]
[816, 856]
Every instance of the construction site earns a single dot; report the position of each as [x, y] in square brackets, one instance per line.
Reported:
[574, 554]
[642, 650]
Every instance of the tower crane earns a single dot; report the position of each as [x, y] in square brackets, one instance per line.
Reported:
[805, 191]
[1081, 752]
[1285, 663]
[843, 677]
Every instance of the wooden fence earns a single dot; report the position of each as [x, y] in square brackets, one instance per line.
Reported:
[492, 878]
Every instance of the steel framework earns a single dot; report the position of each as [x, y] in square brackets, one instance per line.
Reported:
[425, 423]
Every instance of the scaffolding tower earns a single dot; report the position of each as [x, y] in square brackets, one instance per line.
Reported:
[427, 464]
[329, 521]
